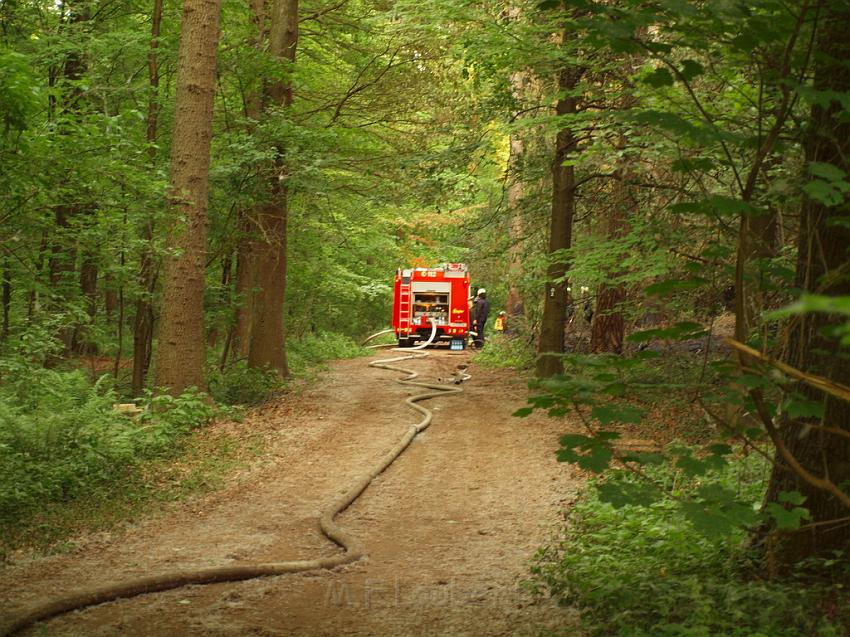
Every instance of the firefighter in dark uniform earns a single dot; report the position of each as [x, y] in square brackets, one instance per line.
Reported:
[480, 312]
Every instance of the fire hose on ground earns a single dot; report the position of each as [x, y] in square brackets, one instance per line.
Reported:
[352, 551]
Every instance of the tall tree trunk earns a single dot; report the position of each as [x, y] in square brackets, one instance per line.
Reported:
[143, 319]
[553, 324]
[245, 254]
[822, 268]
[267, 347]
[180, 347]
[514, 303]
[609, 328]
[63, 251]
[552, 327]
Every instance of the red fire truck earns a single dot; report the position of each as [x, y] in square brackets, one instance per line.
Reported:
[432, 296]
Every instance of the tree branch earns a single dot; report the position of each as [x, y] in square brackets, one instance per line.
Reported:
[824, 484]
[825, 385]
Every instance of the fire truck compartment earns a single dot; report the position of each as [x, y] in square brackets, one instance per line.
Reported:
[435, 306]
[431, 300]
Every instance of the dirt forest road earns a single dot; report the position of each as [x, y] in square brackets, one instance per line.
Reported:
[449, 528]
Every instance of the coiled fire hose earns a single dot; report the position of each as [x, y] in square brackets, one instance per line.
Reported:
[352, 551]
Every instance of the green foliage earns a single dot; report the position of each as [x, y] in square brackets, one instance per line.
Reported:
[65, 442]
[602, 391]
[597, 389]
[315, 349]
[787, 512]
[17, 97]
[506, 350]
[640, 571]
[239, 384]
[830, 186]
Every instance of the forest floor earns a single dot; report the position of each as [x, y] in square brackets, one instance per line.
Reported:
[450, 528]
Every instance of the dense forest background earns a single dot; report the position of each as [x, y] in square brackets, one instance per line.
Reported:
[206, 199]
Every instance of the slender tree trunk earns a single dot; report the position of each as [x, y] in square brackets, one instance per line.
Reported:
[143, 319]
[82, 344]
[514, 303]
[246, 269]
[61, 268]
[43, 264]
[142, 329]
[119, 352]
[757, 233]
[756, 241]
[180, 347]
[110, 296]
[122, 262]
[7, 298]
[268, 339]
[226, 267]
[63, 250]
[822, 268]
[560, 238]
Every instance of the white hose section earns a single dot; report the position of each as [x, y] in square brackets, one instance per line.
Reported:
[376, 335]
[352, 550]
[421, 345]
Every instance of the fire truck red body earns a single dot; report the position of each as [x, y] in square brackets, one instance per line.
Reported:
[425, 295]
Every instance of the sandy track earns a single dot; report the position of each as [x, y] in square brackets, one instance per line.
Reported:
[449, 528]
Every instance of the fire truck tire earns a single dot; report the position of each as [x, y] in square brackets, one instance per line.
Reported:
[352, 551]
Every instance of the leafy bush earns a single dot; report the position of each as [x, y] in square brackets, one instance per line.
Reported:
[314, 349]
[638, 571]
[239, 384]
[503, 350]
[61, 439]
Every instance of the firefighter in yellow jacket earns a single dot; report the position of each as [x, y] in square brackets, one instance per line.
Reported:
[499, 325]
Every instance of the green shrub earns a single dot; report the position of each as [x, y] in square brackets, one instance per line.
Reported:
[62, 440]
[637, 571]
[313, 349]
[503, 350]
[239, 384]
